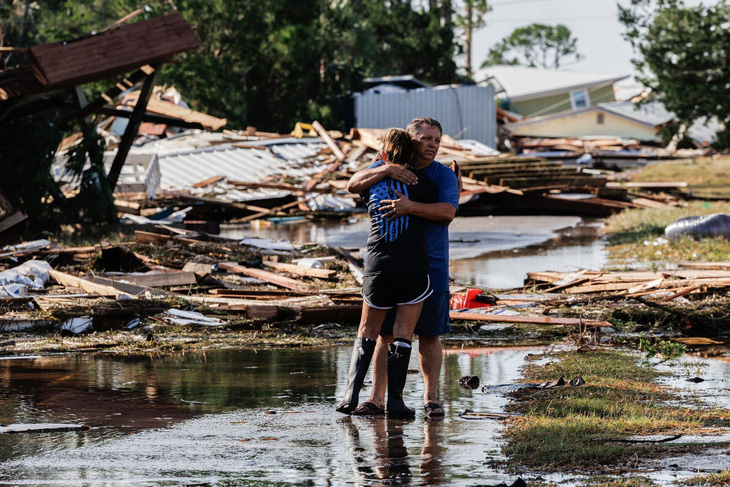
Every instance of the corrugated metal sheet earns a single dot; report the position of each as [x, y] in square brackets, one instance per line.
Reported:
[297, 158]
[465, 112]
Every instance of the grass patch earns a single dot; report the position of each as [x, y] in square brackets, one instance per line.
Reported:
[568, 428]
[722, 478]
[633, 234]
[706, 176]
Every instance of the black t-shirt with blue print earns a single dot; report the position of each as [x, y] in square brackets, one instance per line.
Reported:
[398, 245]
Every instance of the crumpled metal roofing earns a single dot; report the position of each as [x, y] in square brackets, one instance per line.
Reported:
[295, 157]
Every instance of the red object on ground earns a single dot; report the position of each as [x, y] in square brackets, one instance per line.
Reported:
[468, 300]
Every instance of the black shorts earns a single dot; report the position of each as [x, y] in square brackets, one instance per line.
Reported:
[385, 291]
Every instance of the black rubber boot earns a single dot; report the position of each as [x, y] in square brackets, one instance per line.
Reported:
[362, 354]
[398, 358]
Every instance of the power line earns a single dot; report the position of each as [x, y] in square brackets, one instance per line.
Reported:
[559, 19]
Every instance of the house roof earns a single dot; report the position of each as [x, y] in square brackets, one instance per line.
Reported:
[525, 83]
[407, 82]
[110, 53]
[650, 114]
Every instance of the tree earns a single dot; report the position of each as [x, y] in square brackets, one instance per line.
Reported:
[472, 17]
[537, 45]
[683, 56]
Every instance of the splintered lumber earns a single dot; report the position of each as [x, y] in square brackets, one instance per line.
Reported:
[256, 294]
[681, 293]
[151, 238]
[537, 320]
[265, 312]
[68, 280]
[301, 271]
[666, 284]
[328, 140]
[209, 181]
[131, 289]
[158, 279]
[267, 276]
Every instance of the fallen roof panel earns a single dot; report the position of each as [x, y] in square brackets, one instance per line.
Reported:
[111, 53]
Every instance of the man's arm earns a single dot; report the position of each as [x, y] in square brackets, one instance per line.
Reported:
[362, 180]
[438, 212]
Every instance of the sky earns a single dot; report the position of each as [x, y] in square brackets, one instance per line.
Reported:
[594, 23]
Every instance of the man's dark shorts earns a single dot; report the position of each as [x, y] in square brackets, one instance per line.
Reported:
[434, 319]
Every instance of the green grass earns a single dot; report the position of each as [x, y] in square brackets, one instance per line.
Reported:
[568, 428]
[633, 234]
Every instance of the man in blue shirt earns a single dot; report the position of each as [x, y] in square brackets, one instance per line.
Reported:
[434, 320]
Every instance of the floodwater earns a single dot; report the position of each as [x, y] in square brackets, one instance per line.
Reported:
[246, 417]
[242, 417]
[493, 252]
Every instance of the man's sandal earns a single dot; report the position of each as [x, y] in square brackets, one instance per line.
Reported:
[434, 410]
[368, 409]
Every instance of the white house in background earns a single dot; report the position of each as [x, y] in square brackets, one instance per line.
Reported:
[533, 92]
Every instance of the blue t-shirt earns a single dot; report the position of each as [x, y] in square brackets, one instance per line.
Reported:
[437, 235]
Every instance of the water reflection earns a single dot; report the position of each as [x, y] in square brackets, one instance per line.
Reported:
[241, 416]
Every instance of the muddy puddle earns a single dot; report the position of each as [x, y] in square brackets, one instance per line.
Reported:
[493, 252]
[241, 418]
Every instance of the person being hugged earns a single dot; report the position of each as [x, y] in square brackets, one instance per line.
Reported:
[396, 276]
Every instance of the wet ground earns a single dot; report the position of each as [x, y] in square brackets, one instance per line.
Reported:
[492, 252]
[245, 417]
[241, 418]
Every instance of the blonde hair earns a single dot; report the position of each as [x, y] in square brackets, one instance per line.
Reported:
[397, 146]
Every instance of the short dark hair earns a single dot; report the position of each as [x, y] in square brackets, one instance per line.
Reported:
[397, 146]
[418, 121]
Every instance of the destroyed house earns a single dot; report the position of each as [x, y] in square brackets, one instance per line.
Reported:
[533, 92]
[607, 120]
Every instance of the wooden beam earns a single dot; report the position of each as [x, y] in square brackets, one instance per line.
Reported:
[68, 280]
[328, 140]
[267, 276]
[301, 271]
[536, 320]
[132, 128]
[160, 279]
[149, 117]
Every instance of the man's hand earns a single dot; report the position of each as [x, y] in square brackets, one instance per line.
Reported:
[402, 174]
[393, 209]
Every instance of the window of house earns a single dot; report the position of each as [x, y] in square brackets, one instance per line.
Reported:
[599, 118]
[579, 99]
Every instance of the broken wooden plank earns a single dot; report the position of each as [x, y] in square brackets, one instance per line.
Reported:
[257, 294]
[265, 312]
[681, 293]
[209, 181]
[301, 271]
[151, 238]
[537, 320]
[328, 140]
[157, 279]
[68, 280]
[267, 276]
